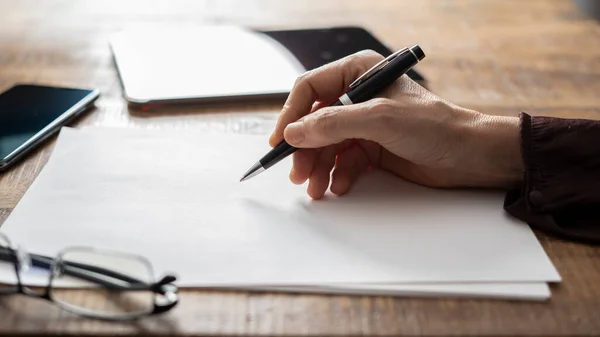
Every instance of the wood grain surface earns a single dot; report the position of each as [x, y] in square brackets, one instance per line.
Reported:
[496, 56]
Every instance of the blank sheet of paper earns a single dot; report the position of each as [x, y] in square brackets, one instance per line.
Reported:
[521, 291]
[175, 197]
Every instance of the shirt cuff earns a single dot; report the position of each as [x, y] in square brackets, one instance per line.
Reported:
[561, 184]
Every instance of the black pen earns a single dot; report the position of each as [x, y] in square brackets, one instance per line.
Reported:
[369, 84]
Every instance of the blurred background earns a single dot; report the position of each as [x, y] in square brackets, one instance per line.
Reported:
[495, 56]
[471, 45]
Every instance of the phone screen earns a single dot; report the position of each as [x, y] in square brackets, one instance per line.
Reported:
[26, 109]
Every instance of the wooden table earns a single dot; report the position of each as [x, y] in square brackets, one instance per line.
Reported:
[499, 57]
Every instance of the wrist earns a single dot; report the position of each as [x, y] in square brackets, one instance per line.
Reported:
[497, 140]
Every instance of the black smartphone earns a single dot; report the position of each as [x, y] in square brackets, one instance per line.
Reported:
[316, 47]
[29, 114]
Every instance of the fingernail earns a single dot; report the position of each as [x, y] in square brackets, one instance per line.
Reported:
[294, 133]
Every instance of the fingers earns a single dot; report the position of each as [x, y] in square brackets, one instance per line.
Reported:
[324, 84]
[303, 164]
[333, 125]
[350, 165]
[319, 178]
[317, 164]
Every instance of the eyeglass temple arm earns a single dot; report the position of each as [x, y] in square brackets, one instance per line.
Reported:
[163, 287]
[90, 273]
[76, 269]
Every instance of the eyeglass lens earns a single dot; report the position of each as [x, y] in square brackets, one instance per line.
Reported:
[117, 297]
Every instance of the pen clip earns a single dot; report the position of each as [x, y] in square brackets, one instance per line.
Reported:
[380, 65]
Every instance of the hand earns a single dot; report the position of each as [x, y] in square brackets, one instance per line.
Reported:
[407, 130]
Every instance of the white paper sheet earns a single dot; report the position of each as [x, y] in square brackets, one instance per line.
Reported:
[521, 291]
[175, 198]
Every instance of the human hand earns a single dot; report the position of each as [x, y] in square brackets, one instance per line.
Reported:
[407, 131]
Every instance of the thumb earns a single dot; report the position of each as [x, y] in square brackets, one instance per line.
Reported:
[332, 125]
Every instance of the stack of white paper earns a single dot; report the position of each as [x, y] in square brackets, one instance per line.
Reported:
[175, 198]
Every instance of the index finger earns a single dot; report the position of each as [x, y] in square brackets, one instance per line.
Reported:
[322, 84]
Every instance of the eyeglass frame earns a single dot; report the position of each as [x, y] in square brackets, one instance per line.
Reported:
[58, 266]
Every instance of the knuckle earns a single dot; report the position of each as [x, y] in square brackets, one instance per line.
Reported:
[288, 110]
[324, 122]
[381, 105]
[303, 84]
[302, 78]
[382, 110]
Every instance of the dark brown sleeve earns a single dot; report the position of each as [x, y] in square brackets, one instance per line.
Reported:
[560, 193]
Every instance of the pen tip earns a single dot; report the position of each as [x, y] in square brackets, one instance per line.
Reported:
[253, 171]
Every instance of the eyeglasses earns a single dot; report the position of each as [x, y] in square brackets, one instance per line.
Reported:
[88, 282]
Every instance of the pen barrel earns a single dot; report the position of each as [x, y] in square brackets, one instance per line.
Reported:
[274, 156]
[383, 78]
